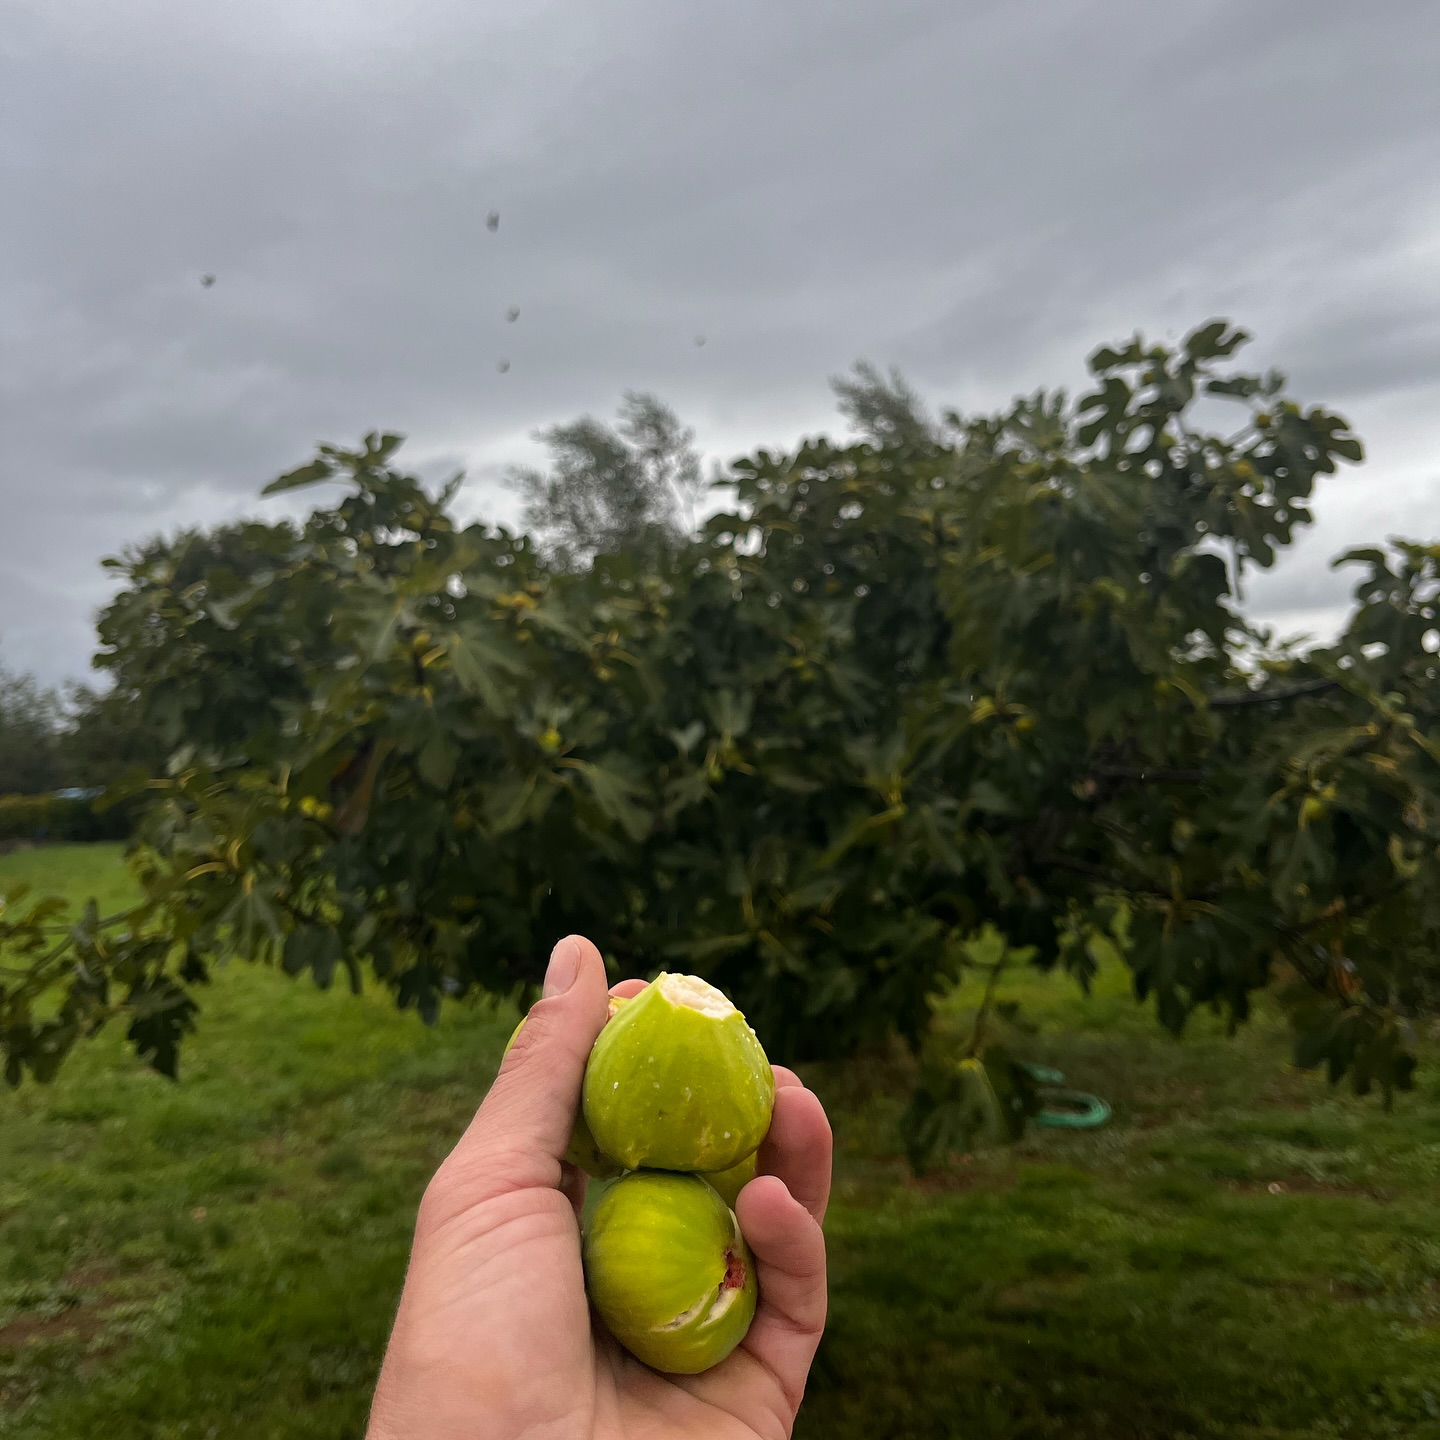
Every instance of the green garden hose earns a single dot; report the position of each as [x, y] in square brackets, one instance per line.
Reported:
[1078, 1111]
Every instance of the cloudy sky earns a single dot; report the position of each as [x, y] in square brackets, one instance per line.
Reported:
[978, 192]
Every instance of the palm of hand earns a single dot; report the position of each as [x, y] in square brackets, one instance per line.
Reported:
[494, 1336]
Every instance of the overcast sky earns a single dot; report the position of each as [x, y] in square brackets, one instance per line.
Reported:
[977, 192]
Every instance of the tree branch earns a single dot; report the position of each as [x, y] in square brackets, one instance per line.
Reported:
[1148, 774]
[1119, 882]
[1084, 867]
[982, 1015]
[1263, 697]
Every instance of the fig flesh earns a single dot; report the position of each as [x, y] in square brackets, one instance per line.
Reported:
[669, 1272]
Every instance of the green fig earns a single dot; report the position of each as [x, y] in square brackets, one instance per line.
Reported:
[582, 1151]
[729, 1183]
[678, 1081]
[669, 1272]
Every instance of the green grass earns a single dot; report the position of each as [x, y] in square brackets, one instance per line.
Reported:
[1241, 1253]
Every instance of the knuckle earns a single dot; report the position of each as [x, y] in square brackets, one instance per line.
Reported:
[542, 1023]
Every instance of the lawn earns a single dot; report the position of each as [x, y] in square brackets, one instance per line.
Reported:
[1241, 1252]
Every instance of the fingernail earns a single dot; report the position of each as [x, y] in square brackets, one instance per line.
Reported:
[564, 966]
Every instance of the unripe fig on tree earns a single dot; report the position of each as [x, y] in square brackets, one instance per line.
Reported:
[669, 1272]
[678, 1081]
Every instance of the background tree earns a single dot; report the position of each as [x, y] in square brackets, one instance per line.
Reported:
[883, 411]
[30, 718]
[105, 738]
[634, 487]
[86, 739]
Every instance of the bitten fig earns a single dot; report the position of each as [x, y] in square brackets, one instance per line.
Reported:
[678, 1081]
[729, 1183]
[669, 1272]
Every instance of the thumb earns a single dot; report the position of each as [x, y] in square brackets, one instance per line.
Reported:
[523, 1127]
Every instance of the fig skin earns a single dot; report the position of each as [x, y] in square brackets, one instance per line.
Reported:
[583, 1152]
[729, 1183]
[668, 1271]
[678, 1081]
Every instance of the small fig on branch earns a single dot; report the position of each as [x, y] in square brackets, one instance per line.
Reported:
[669, 1272]
[678, 1081]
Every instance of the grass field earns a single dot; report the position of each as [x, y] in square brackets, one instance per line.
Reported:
[1241, 1252]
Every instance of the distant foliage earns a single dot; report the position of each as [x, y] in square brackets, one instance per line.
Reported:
[631, 489]
[885, 411]
[51, 818]
[104, 738]
[967, 673]
[30, 718]
[78, 740]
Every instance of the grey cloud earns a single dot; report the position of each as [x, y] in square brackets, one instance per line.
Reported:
[977, 193]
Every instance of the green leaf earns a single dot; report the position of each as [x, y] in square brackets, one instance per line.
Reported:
[1214, 341]
[253, 921]
[309, 474]
[730, 713]
[163, 1013]
[482, 667]
[685, 739]
[518, 799]
[618, 797]
[314, 948]
[437, 759]
[988, 797]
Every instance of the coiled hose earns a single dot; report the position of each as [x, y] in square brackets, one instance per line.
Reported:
[1065, 1109]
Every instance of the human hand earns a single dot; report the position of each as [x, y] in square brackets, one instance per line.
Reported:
[494, 1337]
